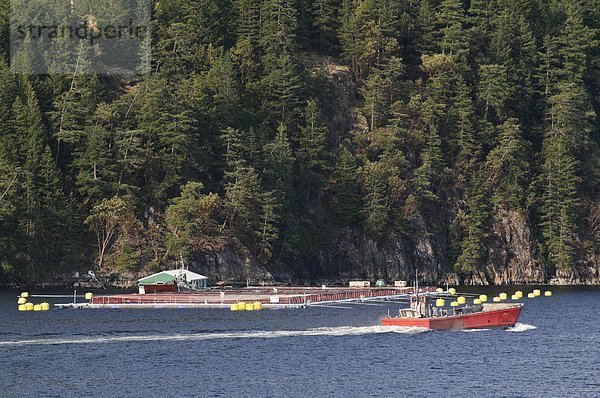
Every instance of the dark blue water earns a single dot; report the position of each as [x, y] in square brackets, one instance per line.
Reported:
[316, 352]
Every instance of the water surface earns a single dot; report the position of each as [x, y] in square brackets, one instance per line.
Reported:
[315, 352]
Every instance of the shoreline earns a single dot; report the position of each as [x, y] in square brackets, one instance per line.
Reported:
[301, 283]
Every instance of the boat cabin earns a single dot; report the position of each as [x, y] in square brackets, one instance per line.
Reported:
[409, 313]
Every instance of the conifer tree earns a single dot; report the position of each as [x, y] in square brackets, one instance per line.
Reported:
[267, 230]
[425, 22]
[575, 44]
[166, 122]
[326, 19]
[567, 135]
[474, 220]
[281, 83]
[345, 201]
[375, 209]
[312, 156]
[279, 164]
[246, 50]
[506, 167]
[209, 20]
[494, 89]
[191, 221]
[381, 89]
[426, 176]
[95, 160]
[44, 210]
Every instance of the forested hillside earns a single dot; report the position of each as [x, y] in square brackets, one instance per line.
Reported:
[316, 139]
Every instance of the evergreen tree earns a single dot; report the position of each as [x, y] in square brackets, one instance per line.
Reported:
[375, 208]
[474, 223]
[326, 20]
[248, 29]
[575, 44]
[381, 89]
[345, 201]
[242, 201]
[281, 83]
[312, 156]
[95, 160]
[191, 222]
[425, 21]
[44, 210]
[166, 122]
[566, 136]
[209, 20]
[267, 230]
[279, 166]
[426, 176]
[494, 89]
[506, 167]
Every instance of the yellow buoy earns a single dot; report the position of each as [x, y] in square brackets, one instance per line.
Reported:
[242, 306]
[452, 291]
[22, 307]
[249, 307]
[519, 294]
[454, 304]
[537, 292]
[477, 302]
[45, 306]
[548, 293]
[461, 300]
[25, 294]
[22, 300]
[257, 305]
[37, 307]
[440, 303]
[483, 298]
[29, 307]
[234, 307]
[514, 297]
[439, 290]
[496, 299]
[89, 296]
[530, 295]
[503, 296]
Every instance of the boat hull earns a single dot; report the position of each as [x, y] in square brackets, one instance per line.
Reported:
[503, 317]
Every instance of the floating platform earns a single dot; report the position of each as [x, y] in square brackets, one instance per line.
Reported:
[269, 297]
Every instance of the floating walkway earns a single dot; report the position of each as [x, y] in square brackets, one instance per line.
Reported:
[268, 297]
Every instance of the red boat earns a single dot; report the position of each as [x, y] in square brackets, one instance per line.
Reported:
[486, 316]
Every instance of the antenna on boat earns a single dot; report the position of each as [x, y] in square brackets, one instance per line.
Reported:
[416, 286]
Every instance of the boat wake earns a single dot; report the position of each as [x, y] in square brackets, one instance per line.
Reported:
[475, 330]
[271, 334]
[520, 328]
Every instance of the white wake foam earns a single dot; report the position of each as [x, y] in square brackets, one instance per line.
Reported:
[521, 327]
[335, 331]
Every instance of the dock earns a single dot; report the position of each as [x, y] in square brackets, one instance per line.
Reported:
[269, 297]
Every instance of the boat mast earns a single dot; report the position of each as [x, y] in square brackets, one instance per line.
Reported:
[417, 304]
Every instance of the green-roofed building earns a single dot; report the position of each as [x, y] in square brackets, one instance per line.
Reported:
[172, 280]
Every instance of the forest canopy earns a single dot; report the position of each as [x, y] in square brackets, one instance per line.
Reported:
[271, 125]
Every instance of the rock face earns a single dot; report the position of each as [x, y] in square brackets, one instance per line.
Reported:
[234, 264]
[513, 257]
[352, 255]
